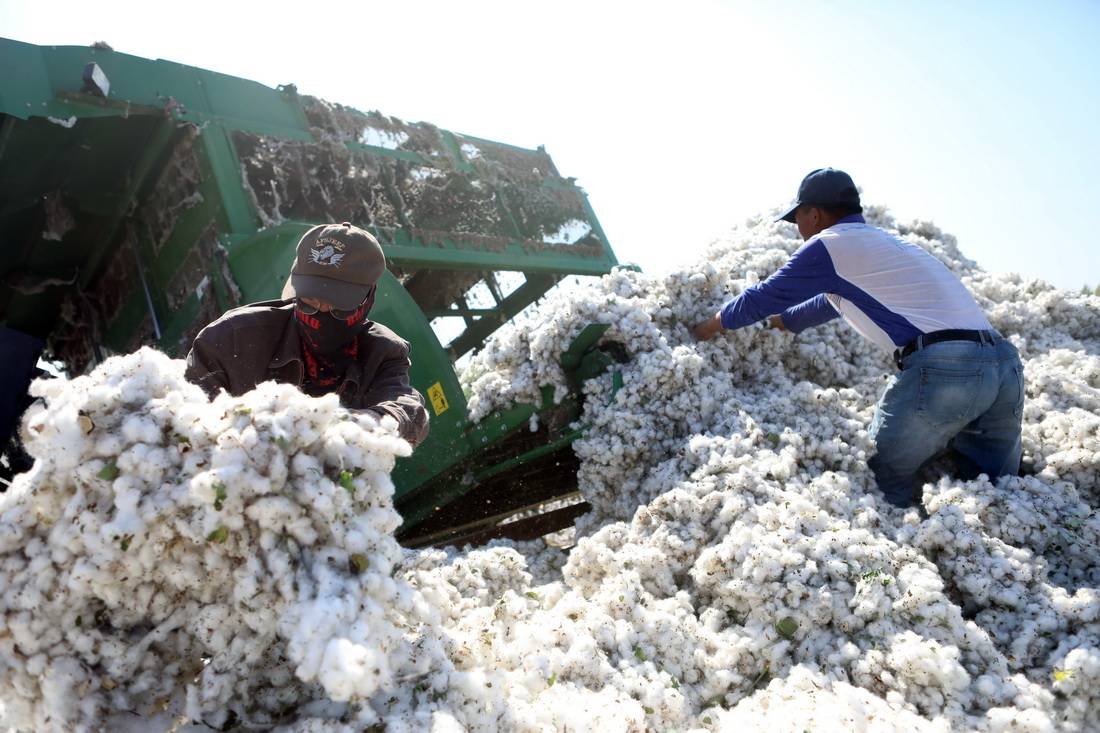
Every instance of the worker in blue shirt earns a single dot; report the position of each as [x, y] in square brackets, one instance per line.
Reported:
[959, 385]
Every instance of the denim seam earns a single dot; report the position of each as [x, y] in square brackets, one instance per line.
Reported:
[1018, 408]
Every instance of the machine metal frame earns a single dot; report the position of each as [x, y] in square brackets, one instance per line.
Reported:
[87, 176]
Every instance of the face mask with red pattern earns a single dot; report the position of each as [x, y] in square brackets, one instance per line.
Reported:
[327, 336]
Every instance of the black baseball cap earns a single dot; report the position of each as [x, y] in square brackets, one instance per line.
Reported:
[824, 187]
[336, 263]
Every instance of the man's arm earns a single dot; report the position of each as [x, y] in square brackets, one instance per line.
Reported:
[808, 313]
[391, 394]
[807, 274]
[203, 366]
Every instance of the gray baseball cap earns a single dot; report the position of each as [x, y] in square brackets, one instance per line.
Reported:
[336, 263]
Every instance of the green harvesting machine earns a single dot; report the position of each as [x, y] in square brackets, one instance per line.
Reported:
[140, 199]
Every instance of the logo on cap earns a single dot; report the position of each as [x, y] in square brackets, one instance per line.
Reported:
[328, 252]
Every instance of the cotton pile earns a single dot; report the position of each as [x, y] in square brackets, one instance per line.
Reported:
[729, 481]
[739, 569]
[219, 561]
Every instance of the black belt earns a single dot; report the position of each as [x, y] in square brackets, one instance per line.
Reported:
[935, 337]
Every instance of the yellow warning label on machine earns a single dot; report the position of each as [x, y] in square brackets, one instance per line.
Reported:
[439, 400]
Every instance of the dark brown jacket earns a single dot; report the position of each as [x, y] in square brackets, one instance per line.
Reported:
[259, 343]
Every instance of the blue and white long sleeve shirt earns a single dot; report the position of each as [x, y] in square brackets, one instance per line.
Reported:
[889, 290]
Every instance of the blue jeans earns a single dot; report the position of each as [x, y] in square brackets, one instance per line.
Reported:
[963, 395]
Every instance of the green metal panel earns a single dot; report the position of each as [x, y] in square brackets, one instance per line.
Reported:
[47, 80]
[589, 336]
[434, 377]
[133, 81]
[178, 324]
[260, 263]
[248, 105]
[26, 90]
[240, 215]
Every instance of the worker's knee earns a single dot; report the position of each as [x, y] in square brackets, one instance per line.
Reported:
[897, 483]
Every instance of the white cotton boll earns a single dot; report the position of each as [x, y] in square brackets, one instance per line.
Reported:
[926, 663]
[107, 445]
[805, 701]
[140, 429]
[388, 424]
[59, 429]
[1013, 720]
[349, 669]
[127, 519]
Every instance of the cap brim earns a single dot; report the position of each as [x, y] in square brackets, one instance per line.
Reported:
[340, 295]
[789, 216]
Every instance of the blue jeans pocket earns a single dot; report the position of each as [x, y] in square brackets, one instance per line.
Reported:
[947, 396]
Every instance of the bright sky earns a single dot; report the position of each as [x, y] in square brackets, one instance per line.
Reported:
[681, 119]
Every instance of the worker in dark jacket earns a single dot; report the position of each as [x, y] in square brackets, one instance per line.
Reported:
[17, 371]
[318, 337]
[959, 384]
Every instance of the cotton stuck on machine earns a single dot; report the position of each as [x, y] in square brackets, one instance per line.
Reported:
[140, 199]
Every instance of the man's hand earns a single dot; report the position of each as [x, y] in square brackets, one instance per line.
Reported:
[709, 328]
[776, 322]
